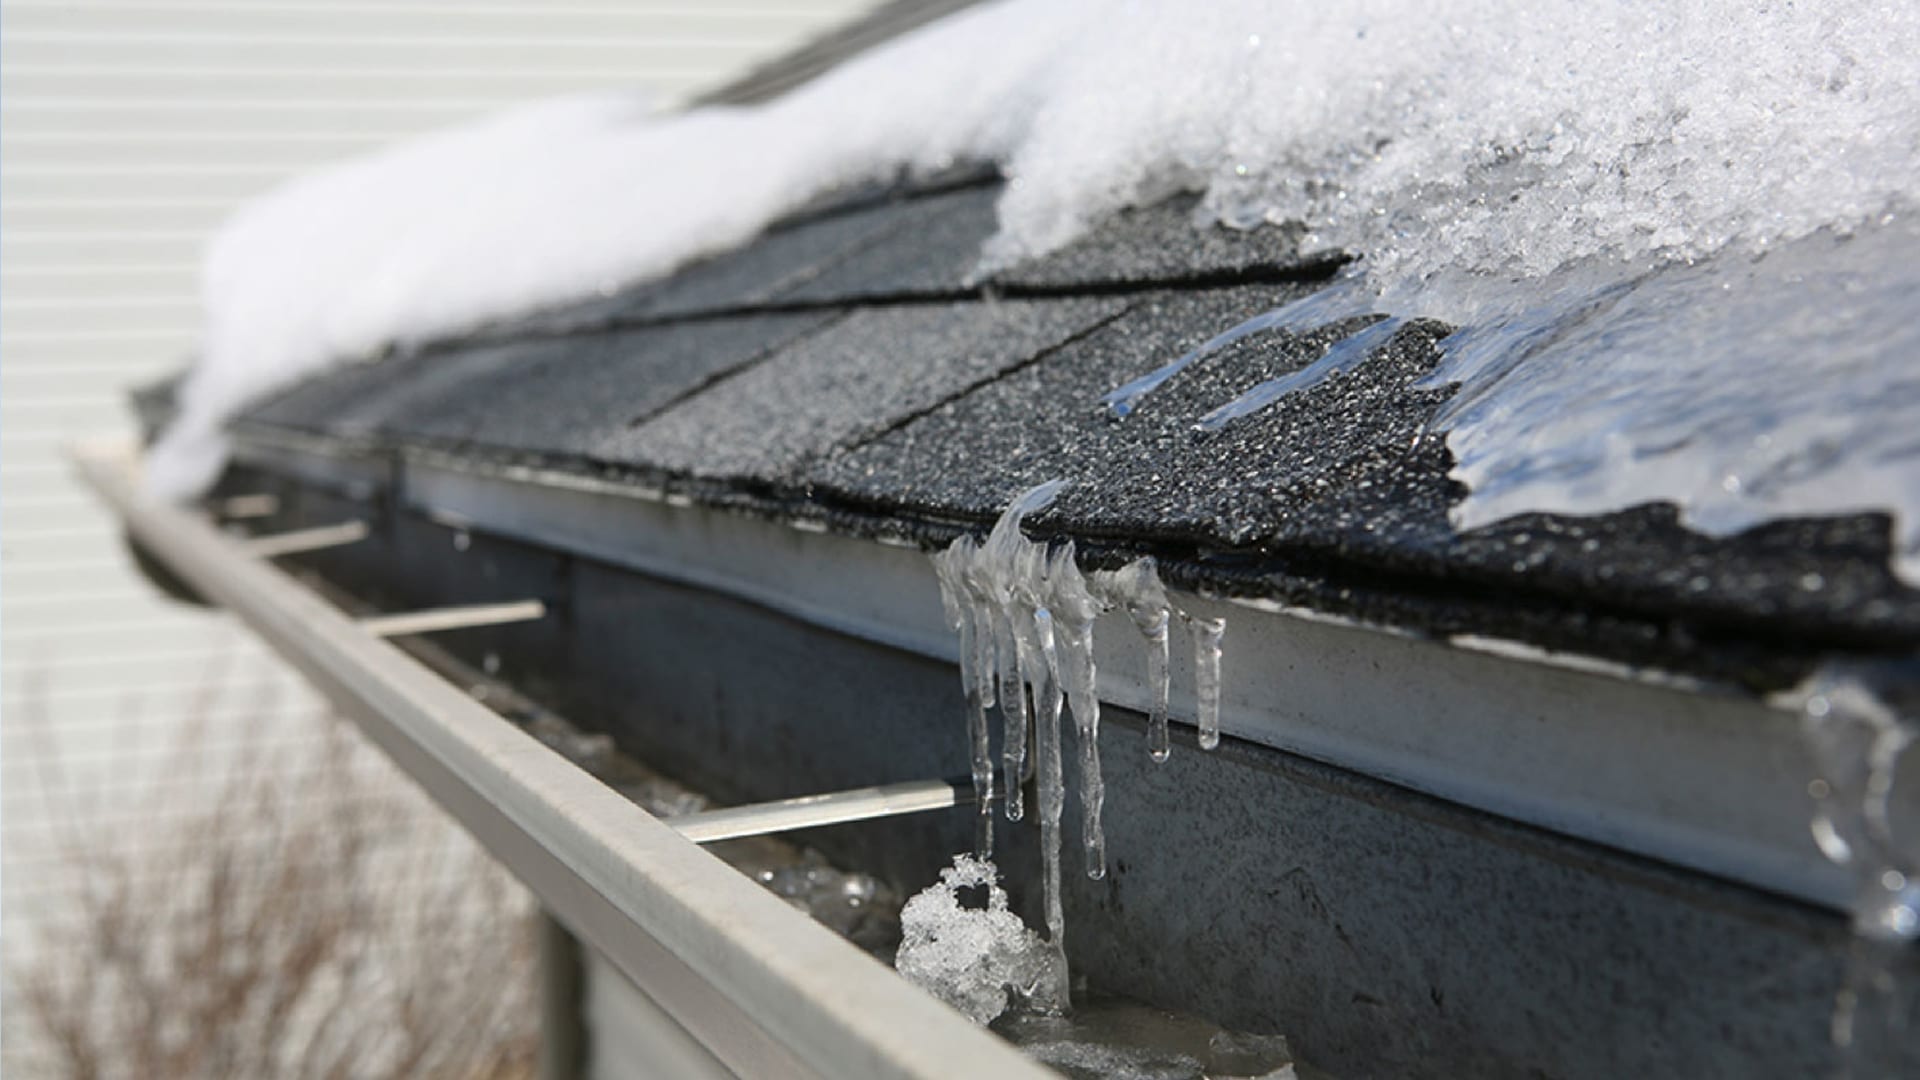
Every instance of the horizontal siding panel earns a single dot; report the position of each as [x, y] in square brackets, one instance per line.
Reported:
[80, 610]
[238, 77]
[179, 690]
[105, 278]
[255, 149]
[460, 51]
[44, 651]
[152, 245]
[166, 660]
[22, 114]
[47, 316]
[766, 24]
[110, 380]
[183, 306]
[169, 343]
[44, 215]
[149, 624]
[31, 569]
[46, 436]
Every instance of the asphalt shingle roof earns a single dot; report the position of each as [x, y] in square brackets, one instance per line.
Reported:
[849, 366]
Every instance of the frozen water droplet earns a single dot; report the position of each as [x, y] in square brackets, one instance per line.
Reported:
[1857, 742]
[1136, 588]
[1206, 671]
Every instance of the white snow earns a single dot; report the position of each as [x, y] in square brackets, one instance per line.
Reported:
[1459, 145]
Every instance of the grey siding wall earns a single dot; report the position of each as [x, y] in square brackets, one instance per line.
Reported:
[128, 130]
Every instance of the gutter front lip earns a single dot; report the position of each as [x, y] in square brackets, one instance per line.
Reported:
[767, 989]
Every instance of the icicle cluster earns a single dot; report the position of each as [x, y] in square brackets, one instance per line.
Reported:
[1858, 743]
[1025, 614]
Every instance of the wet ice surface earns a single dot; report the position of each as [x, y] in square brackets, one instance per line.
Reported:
[1863, 799]
[1115, 1039]
[1740, 389]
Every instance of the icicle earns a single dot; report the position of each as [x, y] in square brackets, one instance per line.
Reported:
[950, 567]
[1075, 609]
[1026, 623]
[1000, 556]
[1013, 711]
[1206, 678]
[1051, 789]
[1858, 742]
[1136, 586]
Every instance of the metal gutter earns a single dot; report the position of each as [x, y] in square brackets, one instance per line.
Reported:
[1672, 769]
[765, 989]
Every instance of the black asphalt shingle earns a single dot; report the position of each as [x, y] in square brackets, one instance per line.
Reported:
[1162, 244]
[1153, 475]
[574, 394]
[859, 377]
[844, 367]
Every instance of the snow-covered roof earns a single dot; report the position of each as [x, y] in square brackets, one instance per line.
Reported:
[845, 368]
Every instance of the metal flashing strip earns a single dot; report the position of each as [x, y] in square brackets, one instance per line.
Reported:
[434, 620]
[243, 507]
[318, 538]
[763, 987]
[832, 808]
[1662, 767]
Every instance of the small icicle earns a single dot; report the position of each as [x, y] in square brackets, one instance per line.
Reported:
[1206, 677]
[950, 567]
[1026, 620]
[1160, 681]
[1013, 712]
[1075, 609]
[1051, 788]
[1000, 555]
[1136, 587]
